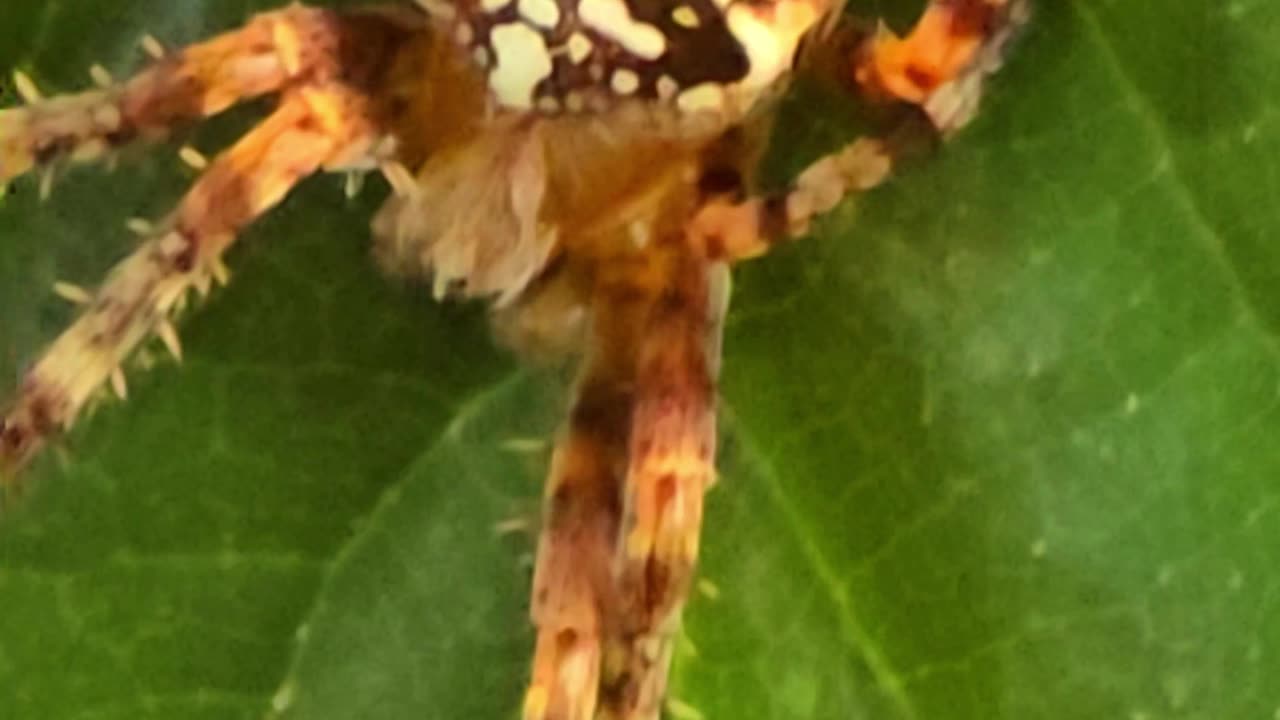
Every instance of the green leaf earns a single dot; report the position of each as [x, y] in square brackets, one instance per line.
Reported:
[998, 440]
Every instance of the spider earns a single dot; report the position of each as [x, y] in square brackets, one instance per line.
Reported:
[587, 166]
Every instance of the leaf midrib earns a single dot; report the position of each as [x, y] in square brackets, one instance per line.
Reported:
[331, 569]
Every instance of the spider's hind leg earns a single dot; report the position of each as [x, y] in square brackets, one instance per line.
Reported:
[314, 127]
[272, 51]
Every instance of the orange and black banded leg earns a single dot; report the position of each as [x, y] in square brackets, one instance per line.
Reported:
[624, 499]
[727, 230]
[328, 69]
[940, 68]
[670, 467]
[943, 62]
[272, 51]
[573, 586]
[624, 504]
[314, 127]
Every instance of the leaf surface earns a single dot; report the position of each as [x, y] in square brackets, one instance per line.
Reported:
[997, 440]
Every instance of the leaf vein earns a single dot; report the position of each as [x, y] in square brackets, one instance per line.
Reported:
[852, 627]
[1210, 236]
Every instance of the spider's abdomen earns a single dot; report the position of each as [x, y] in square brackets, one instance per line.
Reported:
[585, 55]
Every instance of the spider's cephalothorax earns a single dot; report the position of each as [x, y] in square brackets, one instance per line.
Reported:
[585, 164]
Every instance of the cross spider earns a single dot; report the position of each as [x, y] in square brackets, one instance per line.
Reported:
[565, 159]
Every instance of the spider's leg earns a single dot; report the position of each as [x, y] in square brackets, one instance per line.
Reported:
[314, 127]
[671, 465]
[272, 51]
[942, 64]
[624, 499]
[572, 578]
[734, 231]
[941, 67]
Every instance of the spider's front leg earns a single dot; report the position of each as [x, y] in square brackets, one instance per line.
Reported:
[313, 127]
[939, 69]
[270, 52]
[326, 119]
[942, 64]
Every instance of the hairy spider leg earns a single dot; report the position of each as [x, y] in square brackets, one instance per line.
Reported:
[314, 127]
[942, 63]
[572, 579]
[624, 496]
[671, 465]
[273, 50]
[624, 500]
[734, 231]
[328, 68]
[940, 68]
